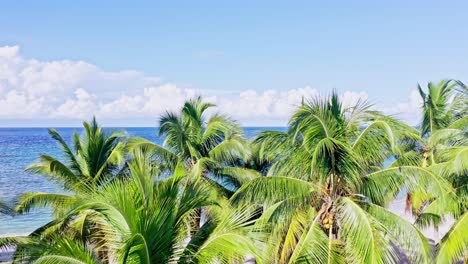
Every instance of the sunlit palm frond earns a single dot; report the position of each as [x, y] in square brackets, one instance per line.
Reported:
[230, 150]
[316, 246]
[236, 176]
[70, 156]
[272, 143]
[217, 129]
[363, 235]
[28, 201]
[384, 184]
[194, 109]
[56, 170]
[404, 234]
[436, 113]
[227, 239]
[273, 189]
[454, 244]
[160, 153]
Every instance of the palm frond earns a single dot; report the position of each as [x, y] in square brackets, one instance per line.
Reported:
[404, 234]
[230, 150]
[315, 246]
[162, 154]
[363, 235]
[454, 244]
[56, 170]
[272, 189]
[384, 184]
[28, 201]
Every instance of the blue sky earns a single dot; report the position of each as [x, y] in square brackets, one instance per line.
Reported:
[225, 48]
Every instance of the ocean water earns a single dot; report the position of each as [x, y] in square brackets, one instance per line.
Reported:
[20, 147]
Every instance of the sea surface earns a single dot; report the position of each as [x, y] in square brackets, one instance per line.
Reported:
[20, 147]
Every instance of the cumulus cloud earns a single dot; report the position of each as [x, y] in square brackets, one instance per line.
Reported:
[408, 111]
[151, 102]
[266, 104]
[30, 88]
[63, 90]
[81, 106]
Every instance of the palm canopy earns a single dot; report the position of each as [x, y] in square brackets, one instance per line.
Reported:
[92, 161]
[444, 119]
[443, 131]
[146, 219]
[445, 153]
[209, 148]
[325, 192]
[451, 163]
[442, 105]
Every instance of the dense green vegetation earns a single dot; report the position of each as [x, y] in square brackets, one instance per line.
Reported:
[317, 193]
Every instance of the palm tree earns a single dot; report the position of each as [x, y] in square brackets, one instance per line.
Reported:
[212, 150]
[444, 151]
[325, 193]
[453, 165]
[443, 130]
[146, 219]
[92, 162]
[56, 250]
[436, 107]
[443, 108]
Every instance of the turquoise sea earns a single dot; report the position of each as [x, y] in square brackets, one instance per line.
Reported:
[19, 147]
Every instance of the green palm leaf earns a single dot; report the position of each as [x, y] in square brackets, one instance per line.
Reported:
[28, 201]
[272, 189]
[453, 246]
[365, 242]
[407, 236]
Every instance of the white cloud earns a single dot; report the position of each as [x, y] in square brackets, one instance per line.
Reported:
[266, 104]
[82, 106]
[150, 103]
[63, 90]
[409, 111]
[350, 98]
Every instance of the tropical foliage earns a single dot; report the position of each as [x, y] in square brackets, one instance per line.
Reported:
[445, 152]
[212, 150]
[327, 184]
[145, 219]
[93, 161]
[319, 192]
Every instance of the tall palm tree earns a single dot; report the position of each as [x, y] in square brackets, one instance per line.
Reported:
[443, 128]
[437, 113]
[442, 109]
[91, 162]
[146, 219]
[444, 151]
[325, 193]
[453, 165]
[209, 149]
